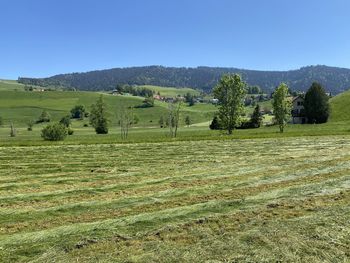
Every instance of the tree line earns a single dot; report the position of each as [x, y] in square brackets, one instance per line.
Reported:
[231, 91]
[201, 78]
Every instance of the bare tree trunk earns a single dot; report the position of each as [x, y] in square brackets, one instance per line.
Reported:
[125, 121]
[174, 116]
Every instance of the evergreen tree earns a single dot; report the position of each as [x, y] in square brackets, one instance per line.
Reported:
[188, 121]
[316, 104]
[215, 124]
[161, 122]
[256, 118]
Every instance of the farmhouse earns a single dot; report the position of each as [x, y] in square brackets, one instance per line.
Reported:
[298, 111]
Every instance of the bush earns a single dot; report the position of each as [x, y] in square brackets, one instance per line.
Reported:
[98, 116]
[78, 112]
[30, 125]
[70, 131]
[66, 121]
[215, 124]
[44, 117]
[54, 132]
[86, 125]
[247, 125]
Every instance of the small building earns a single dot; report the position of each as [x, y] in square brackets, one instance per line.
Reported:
[158, 97]
[298, 110]
[214, 101]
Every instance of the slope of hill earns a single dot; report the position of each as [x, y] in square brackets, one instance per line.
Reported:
[10, 85]
[340, 107]
[20, 107]
[334, 79]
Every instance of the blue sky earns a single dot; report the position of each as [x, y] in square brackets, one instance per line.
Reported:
[40, 38]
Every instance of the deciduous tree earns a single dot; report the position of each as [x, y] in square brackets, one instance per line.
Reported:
[98, 116]
[230, 92]
[281, 106]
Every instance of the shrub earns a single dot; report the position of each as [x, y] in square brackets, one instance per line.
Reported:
[44, 117]
[86, 125]
[66, 121]
[247, 125]
[70, 131]
[54, 132]
[30, 125]
[215, 124]
[78, 112]
[98, 116]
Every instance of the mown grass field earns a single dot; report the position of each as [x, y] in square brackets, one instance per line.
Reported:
[270, 200]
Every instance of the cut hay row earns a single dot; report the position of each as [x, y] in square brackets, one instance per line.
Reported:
[129, 201]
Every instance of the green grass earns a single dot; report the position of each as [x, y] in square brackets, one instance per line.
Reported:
[171, 92]
[271, 200]
[340, 107]
[20, 107]
[255, 196]
[10, 85]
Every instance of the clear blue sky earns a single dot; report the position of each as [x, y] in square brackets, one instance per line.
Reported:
[40, 38]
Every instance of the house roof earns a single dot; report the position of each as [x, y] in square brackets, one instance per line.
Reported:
[297, 97]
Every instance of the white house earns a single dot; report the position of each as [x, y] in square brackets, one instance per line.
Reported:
[298, 111]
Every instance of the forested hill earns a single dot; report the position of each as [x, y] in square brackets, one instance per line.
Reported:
[334, 79]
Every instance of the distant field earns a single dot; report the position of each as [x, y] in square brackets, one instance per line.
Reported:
[10, 85]
[271, 200]
[171, 92]
[21, 107]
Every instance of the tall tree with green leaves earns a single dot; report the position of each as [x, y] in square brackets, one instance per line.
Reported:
[230, 91]
[98, 116]
[316, 104]
[281, 106]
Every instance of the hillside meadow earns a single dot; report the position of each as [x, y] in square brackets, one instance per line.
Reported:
[255, 196]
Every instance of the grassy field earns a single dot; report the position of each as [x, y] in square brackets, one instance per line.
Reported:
[271, 200]
[255, 196]
[171, 92]
[20, 106]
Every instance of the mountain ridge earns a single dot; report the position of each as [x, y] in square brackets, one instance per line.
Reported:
[334, 79]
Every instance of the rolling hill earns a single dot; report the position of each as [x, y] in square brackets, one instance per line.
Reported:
[340, 107]
[334, 79]
[20, 106]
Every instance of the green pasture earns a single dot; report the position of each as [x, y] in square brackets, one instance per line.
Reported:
[171, 91]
